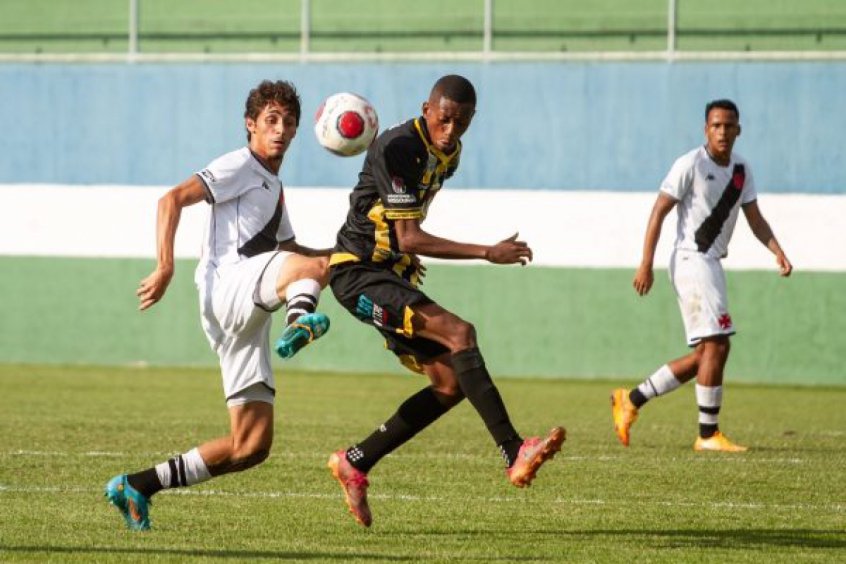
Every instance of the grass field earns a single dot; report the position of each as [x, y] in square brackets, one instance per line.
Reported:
[222, 26]
[441, 498]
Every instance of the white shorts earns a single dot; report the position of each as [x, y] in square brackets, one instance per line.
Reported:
[700, 285]
[236, 317]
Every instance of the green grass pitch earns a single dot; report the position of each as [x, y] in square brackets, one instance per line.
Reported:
[442, 497]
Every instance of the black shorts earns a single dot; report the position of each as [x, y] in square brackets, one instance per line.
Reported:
[380, 298]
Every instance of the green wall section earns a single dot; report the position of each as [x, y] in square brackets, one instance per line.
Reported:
[533, 321]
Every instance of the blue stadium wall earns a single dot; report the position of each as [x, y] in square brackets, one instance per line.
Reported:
[560, 126]
[574, 151]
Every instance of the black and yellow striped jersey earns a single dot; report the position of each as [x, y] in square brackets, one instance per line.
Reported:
[401, 174]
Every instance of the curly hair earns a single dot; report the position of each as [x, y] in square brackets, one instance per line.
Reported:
[282, 92]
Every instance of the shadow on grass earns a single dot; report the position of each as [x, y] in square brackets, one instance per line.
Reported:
[739, 539]
[234, 554]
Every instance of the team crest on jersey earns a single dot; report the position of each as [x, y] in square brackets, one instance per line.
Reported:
[724, 321]
[398, 185]
[738, 177]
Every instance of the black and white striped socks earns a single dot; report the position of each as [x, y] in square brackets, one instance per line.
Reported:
[301, 297]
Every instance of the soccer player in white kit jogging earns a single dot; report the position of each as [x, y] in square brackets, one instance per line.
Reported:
[710, 184]
[251, 266]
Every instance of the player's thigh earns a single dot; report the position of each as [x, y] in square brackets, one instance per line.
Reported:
[377, 297]
[700, 286]
[251, 423]
[245, 359]
[439, 324]
[414, 353]
[244, 292]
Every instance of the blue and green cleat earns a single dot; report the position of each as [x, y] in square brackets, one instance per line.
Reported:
[130, 502]
[302, 331]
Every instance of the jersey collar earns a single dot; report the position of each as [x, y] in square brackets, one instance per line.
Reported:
[420, 126]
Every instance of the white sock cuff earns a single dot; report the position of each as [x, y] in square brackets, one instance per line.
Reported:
[709, 396]
[307, 286]
[183, 470]
[664, 380]
[195, 468]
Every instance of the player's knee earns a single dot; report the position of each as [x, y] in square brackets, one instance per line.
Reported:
[717, 346]
[449, 395]
[463, 336]
[316, 268]
[321, 270]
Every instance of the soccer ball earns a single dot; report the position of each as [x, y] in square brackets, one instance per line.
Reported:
[345, 124]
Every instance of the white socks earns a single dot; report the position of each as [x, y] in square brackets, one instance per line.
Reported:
[183, 470]
[661, 382]
[301, 297]
[709, 399]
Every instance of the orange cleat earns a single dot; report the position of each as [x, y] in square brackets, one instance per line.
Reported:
[624, 414]
[717, 442]
[354, 483]
[533, 453]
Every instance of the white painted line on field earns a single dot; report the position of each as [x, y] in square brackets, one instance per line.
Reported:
[835, 507]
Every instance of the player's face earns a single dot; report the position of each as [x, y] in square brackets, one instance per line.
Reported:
[721, 131]
[447, 121]
[272, 132]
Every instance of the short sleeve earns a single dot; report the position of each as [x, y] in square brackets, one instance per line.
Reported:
[223, 177]
[679, 180]
[397, 174]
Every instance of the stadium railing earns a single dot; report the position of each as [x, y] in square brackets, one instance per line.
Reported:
[487, 30]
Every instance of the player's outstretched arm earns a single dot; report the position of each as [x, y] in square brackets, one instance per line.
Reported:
[644, 276]
[152, 288]
[762, 231]
[412, 239]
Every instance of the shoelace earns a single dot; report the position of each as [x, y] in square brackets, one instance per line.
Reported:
[358, 479]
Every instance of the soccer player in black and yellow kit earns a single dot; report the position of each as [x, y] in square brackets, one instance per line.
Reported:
[375, 273]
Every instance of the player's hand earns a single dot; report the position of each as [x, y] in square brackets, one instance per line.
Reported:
[152, 288]
[784, 266]
[509, 251]
[644, 277]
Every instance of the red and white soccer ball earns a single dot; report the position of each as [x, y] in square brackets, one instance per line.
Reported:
[345, 124]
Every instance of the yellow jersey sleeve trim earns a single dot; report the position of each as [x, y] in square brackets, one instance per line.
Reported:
[416, 213]
[407, 327]
[341, 258]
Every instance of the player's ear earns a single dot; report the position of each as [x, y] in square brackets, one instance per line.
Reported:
[425, 107]
[250, 124]
[739, 129]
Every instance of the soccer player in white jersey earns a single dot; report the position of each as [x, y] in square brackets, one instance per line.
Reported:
[251, 265]
[711, 185]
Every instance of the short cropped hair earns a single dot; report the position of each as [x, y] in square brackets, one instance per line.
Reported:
[282, 92]
[723, 104]
[456, 88]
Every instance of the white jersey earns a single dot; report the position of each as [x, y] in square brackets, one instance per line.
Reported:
[709, 198]
[247, 215]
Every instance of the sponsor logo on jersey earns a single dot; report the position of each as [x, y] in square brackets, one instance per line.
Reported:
[265, 185]
[380, 316]
[206, 173]
[399, 199]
